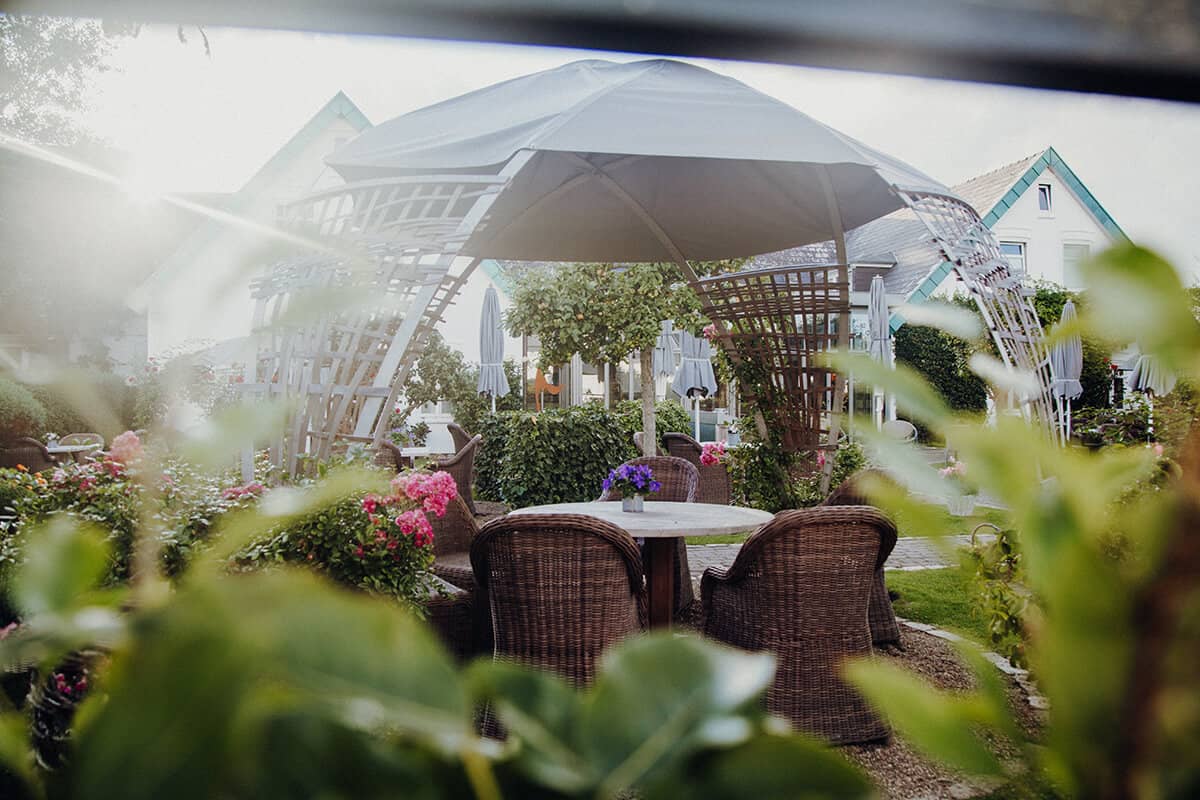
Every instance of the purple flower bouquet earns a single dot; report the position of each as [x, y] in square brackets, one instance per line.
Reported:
[632, 480]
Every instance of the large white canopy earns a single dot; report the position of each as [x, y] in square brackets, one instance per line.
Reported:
[624, 158]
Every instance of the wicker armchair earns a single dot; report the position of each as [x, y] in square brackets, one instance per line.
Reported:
[679, 481]
[462, 466]
[884, 628]
[799, 587]
[388, 455]
[558, 589]
[452, 537]
[26, 452]
[715, 486]
[459, 435]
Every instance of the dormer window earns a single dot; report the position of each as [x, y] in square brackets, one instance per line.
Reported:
[1044, 197]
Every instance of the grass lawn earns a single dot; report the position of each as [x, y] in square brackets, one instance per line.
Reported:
[940, 597]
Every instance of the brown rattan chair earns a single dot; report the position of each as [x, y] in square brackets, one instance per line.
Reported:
[884, 628]
[558, 589]
[462, 466]
[388, 455]
[799, 587]
[452, 537]
[715, 486]
[28, 453]
[459, 435]
[679, 481]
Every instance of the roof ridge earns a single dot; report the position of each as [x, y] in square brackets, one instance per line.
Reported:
[1003, 167]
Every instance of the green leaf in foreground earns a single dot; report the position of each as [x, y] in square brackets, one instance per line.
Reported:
[63, 562]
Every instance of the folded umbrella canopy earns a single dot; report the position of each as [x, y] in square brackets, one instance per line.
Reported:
[879, 328]
[491, 349]
[643, 161]
[1066, 365]
[665, 360]
[695, 378]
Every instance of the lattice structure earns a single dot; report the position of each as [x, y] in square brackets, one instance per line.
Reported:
[340, 327]
[971, 247]
[777, 324]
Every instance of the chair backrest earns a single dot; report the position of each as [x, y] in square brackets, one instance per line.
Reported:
[389, 455]
[811, 569]
[461, 466]
[900, 430]
[682, 446]
[679, 480]
[82, 438]
[559, 589]
[459, 435]
[715, 486]
[454, 531]
[28, 453]
[638, 438]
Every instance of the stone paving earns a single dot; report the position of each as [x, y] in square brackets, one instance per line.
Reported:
[911, 553]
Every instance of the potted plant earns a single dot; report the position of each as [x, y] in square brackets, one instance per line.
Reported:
[634, 482]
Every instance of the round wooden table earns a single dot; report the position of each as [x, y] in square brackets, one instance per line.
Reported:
[660, 525]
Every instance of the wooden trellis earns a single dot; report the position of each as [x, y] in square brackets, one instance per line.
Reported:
[340, 327]
[776, 325]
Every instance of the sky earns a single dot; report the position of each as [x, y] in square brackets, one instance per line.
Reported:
[193, 122]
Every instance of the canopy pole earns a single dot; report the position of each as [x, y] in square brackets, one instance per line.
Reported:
[839, 390]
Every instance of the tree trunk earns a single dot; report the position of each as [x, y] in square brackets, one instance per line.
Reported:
[649, 435]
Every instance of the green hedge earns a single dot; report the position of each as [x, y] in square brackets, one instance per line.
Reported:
[942, 359]
[560, 455]
[20, 412]
[63, 416]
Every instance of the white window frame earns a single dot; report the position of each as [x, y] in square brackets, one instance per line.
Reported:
[1023, 255]
[1067, 279]
[1047, 191]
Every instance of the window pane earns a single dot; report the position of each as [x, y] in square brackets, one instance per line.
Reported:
[1014, 254]
[1044, 196]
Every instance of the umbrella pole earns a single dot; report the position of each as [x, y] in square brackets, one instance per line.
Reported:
[493, 402]
[696, 414]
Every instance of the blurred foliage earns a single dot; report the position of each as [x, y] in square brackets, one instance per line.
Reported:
[1108, 554]
[1001, 598]
[562, 455]
[277, 686]
[20, 412]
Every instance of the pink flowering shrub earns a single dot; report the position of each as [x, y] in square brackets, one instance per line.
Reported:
[126, 449]
[712, 453]
[378, 543]
[710, 332]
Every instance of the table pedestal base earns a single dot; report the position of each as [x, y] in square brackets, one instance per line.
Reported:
[660, 580]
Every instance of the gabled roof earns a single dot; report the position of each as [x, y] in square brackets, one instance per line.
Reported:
[995, 192]
[339, 106]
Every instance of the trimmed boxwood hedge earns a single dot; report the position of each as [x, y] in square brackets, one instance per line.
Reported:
[560, 455]
[20, 412]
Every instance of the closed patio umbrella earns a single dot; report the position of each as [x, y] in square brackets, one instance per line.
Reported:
[879, 328]
[665, 357]
[491, 349]
[1150, 377]
[695, 378]
[1066, 365]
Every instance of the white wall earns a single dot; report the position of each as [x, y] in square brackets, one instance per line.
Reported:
[1045, 233]
[208, 298]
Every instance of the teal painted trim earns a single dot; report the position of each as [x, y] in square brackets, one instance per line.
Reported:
[1052, 160]
[340, 106]
[492, 270]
